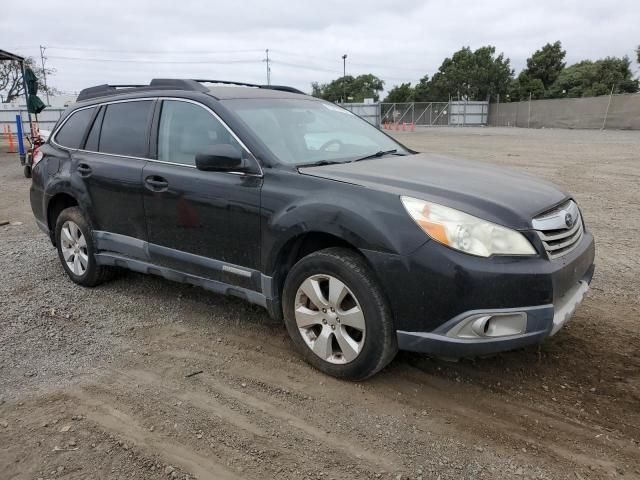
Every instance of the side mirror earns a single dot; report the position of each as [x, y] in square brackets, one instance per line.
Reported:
[220, 158]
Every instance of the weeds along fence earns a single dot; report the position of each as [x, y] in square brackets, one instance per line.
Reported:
[616, 112]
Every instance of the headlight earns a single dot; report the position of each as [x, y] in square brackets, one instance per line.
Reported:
[464, 232]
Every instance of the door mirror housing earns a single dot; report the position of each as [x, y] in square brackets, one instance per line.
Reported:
[220, 158]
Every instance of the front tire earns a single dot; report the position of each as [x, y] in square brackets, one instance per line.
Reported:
[337, 315]
[74, 242]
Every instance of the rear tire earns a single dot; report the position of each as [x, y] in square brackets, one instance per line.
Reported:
[27, 171]
[76, 250]
[337, 315]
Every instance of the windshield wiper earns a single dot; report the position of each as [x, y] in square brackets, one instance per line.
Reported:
[319, 163]
[379, 154]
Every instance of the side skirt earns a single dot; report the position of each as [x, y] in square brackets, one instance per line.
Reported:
[116, 260]
[134, 254]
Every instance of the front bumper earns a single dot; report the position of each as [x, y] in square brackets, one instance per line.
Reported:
[436, 290]
[541, 322]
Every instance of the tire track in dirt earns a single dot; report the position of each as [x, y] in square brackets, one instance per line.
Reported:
[517, 424]
[126, 426]
[167, 380]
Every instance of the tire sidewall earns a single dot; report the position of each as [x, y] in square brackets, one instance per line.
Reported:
[376, 314]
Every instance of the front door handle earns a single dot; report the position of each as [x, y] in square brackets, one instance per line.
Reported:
[156, 183]
[84, 169]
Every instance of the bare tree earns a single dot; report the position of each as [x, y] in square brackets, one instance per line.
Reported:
[11, 84]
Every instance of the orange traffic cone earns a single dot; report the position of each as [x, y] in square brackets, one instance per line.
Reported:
[413, 127]
[12, 147]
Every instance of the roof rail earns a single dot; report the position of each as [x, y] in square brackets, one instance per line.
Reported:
[177, 84]
[102, 90]
[282, 88]
[171, 84]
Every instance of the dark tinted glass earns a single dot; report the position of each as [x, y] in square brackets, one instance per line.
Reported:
[124, 128]
[72, 132]
[94, 133]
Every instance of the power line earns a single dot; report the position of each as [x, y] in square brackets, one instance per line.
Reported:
[365, 65]
[182, 51]
[129, 60]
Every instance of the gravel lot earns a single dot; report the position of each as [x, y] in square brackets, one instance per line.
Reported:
[94, 382]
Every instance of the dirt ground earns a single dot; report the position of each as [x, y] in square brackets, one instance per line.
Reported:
[94, 383]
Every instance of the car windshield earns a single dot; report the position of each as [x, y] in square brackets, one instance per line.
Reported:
[302, 132]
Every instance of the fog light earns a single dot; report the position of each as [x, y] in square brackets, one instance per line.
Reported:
[490, 325]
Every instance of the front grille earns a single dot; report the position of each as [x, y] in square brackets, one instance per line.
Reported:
[560, 230]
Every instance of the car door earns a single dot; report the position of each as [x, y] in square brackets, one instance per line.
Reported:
[110, 169]
[200, 222]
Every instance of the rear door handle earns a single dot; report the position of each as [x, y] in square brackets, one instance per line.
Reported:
[156, 183]
[84, 169]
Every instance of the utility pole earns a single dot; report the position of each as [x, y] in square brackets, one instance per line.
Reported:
[268, 67]
[344, 79]
[44, 74]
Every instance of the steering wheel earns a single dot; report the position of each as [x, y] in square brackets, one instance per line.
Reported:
[333, 141]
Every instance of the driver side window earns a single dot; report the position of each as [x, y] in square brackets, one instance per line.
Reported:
[187, 129]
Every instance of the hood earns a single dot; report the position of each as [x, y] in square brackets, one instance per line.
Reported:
[497, 194]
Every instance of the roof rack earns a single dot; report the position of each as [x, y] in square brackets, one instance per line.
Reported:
[171, 84]
[282, 88]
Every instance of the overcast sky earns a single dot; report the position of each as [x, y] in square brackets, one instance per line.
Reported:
[398, 40]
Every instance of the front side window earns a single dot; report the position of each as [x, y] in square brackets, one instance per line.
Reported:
[305, 131]
[124, 128]
[187, 129]
[73, 130]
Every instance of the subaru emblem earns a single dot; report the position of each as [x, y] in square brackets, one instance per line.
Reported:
[568, 219]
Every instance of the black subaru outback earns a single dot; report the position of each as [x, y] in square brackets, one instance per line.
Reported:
[360, 244]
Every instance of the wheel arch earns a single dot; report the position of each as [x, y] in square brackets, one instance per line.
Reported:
[296, 248]
[56, 204]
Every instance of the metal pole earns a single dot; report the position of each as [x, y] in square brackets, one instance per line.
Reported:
[606, 114]
[268, 67]
[497, 113]
[529, 114]
[344, 80]
[44, 74]
[26, 98]
[464, 112]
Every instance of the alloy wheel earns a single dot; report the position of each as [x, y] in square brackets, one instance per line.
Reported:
[330, 319]
[74, 248]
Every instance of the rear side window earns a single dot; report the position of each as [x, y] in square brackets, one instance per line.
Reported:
[124, 128]
[94, 133]
[73, 130]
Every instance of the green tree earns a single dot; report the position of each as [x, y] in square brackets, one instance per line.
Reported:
[356, 88]
[523, 85]
[422, 90]
[546, 64]
[11, 85]
[589, 79]
[400, 93]
[476, 75]
[638, 54]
